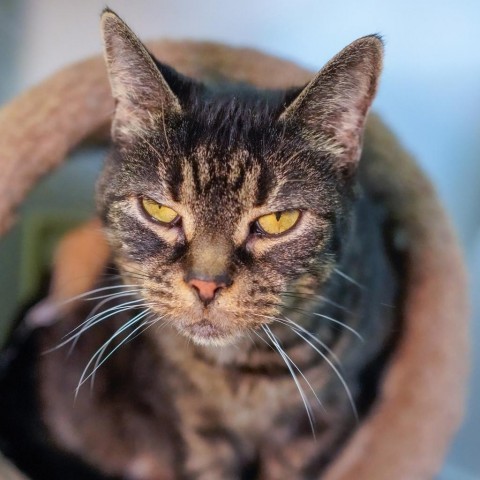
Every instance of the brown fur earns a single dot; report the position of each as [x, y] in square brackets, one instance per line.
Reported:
[381, 436]
[221, 161]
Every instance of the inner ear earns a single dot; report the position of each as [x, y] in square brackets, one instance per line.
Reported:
[141, 92]
[330, 112]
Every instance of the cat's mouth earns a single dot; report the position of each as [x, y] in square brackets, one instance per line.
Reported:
[204, 332]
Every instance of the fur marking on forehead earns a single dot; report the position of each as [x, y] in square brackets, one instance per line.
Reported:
[234, 179]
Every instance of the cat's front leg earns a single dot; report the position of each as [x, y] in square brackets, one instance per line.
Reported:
[305, 456]
[288, 461]
[211, 456]
[213, 449]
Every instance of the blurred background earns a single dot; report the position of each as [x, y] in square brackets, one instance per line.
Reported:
[429, 95]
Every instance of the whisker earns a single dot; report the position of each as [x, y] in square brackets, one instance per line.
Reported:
[90, 321]
[289, 364]
[297, 329]
[301, 373]
[149, 323]
[303, 295]
[75, 338]
[85, 294]
[250, 338]
[107, 299]
[75, 334]
[146, 325]
[134, 272]
[114, 295]
[326, 317]
[84, 377]
[339, 375]
[338, 322]
[99, 363]
[350, 279]
[137, 275]
[295, 326]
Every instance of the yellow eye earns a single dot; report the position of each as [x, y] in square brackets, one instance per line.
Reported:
[278, 222]
[159, 212]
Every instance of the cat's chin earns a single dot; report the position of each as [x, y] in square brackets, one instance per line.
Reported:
[205, 333]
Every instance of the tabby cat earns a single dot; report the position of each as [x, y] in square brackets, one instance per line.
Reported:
[241, 325]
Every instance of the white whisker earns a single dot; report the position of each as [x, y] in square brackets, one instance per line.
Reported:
[289, 363]
[115, 295]
[331, 302]
[308, 295]
[145, 326]
[149, 323]
[99, 317]
[97, 307]
[75, 334]
[338, 322]
[97, 290]
[84, 377]
[350, 279]
[295, 326]
[339, 375]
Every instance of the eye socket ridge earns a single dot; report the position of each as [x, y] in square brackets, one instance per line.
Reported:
[158, 212]
[277, 223]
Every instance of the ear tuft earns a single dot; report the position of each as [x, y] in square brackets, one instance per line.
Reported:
[331, 110]
[140, 91]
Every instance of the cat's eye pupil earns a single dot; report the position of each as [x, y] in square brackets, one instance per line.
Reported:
[277, 223]
[160, 213]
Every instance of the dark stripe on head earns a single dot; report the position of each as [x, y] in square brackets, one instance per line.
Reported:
[264, 185]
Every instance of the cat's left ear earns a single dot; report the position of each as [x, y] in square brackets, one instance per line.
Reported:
[141, 92]
[330, 112]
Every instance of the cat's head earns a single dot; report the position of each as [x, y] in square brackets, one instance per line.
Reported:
[217, 201]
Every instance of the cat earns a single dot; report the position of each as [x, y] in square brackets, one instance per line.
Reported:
[248, 264]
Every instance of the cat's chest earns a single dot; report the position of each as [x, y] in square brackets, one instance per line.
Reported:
[250, 402]
[250, 406]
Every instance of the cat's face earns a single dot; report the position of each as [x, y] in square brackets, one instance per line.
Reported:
[217, 196]
[216, 205]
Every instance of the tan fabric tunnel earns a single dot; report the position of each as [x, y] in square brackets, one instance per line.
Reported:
[420, 402]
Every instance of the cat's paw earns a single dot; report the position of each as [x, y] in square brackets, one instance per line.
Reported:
[145, 467]
[42, 314]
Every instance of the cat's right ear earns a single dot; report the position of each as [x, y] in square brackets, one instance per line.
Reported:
[140, 91]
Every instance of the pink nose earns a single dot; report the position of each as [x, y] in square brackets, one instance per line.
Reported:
[206, 289]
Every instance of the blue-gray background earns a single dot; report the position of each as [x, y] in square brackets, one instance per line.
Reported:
[430, 93]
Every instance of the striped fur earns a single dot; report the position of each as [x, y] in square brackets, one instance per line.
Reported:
[206, 396]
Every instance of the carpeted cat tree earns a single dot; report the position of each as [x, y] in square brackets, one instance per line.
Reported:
[420, 402]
